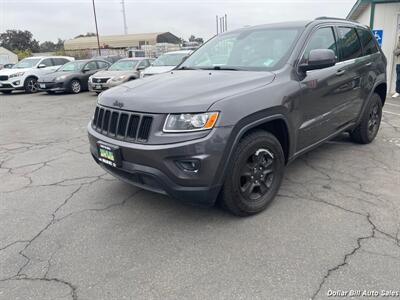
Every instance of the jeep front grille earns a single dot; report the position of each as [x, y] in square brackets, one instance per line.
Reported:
[122, 125]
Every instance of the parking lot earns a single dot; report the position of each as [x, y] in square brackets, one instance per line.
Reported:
[70, 231]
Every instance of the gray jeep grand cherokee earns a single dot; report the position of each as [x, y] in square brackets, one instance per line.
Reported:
[224, 123]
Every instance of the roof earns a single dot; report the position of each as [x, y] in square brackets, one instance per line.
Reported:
[358, 8]
[5, 50]
[120, 41]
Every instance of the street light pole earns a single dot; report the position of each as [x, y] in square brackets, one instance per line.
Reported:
[97, 30]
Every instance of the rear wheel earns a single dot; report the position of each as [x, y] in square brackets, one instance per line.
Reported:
[255, 176]
[368, 127]
[75, 86]
[30, 85]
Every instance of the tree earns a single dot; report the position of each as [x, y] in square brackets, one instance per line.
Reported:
[85, 35]
[49, 46]
[18, 40]
[199, 40]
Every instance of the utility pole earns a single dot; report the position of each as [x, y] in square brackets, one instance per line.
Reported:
[222, 23]
[216, 19]
[226, 22]
[124, 16]
[97, 30]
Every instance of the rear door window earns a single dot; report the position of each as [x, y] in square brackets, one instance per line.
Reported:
[367, 41]
[349, 43]
[47, 62]
[102, 65]
[60, 61]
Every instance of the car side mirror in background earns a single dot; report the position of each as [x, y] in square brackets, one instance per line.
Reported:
[140, 68]
[319, 59]
[41, 66]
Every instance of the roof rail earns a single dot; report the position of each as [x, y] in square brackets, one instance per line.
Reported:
[334, 18]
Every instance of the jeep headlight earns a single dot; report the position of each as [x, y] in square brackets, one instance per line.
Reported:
[190, 122]
[16, 74]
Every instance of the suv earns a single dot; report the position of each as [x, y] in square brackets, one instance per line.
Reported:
[223, 124]
[24, 75]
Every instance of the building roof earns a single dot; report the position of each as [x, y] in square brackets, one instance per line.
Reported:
[361, 5]
[5, 50]
[121, 41]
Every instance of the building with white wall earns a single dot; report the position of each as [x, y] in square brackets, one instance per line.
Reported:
[383, 17]
[7, 57]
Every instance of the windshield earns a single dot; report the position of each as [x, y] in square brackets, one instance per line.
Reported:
[72, 66]
[26, 63]
[172, 59]
[264, 49]
[124, 65]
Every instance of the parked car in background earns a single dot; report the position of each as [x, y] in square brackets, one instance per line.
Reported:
[122, 71]
[6, 66]
[72, 77]
[224, 124]
[24, 74]
[110, 58]
[166, 62]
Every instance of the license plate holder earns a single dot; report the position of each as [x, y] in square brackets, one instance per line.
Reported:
[109, 154]
[98, 87]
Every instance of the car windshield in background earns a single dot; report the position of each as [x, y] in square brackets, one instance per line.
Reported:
[124, 65]
[26, 63]
[169, 59]
[72, 66]
[265, 49]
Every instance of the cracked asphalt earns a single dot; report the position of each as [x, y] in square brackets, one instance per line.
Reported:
[70, 231]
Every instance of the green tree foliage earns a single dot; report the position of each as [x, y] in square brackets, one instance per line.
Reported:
[85, 35]
[18, 40]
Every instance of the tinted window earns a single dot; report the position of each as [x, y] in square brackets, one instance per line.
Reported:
[350, 44]
[60, 61]
[367, 41]
[323, 38]
[47, 62]
[144, 64]
[91, 66]
[102, 65]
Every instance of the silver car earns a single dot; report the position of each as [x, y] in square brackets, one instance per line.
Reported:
[121, 71]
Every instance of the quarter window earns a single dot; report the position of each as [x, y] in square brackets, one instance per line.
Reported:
[350, 44]
[323, 38]
[367, 41]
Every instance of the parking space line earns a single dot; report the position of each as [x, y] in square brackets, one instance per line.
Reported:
[392, 113]
[398, 105]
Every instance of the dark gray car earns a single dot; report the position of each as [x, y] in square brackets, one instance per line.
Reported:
[72, 77]
[224, 124]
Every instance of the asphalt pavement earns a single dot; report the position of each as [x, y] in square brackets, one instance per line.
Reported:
[71, 231]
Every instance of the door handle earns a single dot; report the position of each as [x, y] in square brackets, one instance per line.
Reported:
[340, 72]
[368, 64]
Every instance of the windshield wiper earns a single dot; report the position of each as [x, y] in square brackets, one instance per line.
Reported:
[186, 68]
[223, 68]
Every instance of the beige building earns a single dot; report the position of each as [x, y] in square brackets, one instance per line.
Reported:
[383, 17]
[7, 57]
[121, 41]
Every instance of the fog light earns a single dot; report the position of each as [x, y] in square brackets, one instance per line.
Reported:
[16, 82]
[189, 165]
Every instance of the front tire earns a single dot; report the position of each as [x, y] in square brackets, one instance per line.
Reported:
[368, 127]
[75, 86]
[30, 85]
[255, 175]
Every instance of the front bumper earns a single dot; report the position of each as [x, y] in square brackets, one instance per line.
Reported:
[52, 86]
[12, 84]
[156, 167]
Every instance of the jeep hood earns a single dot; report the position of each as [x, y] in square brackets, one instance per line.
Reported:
[183, 91]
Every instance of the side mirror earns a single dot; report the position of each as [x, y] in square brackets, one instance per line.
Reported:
[84, 70]
[319, 59]
[41, 66]
[140, 68]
